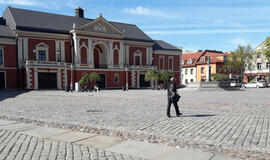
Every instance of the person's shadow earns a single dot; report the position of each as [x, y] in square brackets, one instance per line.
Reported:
[198, 115]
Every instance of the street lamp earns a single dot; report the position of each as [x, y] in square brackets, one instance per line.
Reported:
[126, 78]
[71, 74]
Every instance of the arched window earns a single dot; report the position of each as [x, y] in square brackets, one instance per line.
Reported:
[42, 52]
[115, 57]
[137, 58]
[83, 55]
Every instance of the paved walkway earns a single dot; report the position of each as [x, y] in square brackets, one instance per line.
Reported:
[233, 122]
[22, 141]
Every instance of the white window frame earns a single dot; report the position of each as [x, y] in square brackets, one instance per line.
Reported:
[3, 56]
[191, 71]
[116, 75]
[40, 47]
[259, 66]
[186, 71]
[163, 59]
[170, 58]
[202, 69]
[267, 65]
[203, 59]
[189, 61]
[136, 53]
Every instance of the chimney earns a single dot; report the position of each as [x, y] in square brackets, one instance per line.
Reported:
[79, 12]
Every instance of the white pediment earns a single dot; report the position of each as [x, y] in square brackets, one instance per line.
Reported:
[100, 26]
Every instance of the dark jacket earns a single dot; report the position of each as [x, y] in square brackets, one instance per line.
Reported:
[171, 91]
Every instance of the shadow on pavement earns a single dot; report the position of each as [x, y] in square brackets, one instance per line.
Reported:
[199, 115]
[11, 94]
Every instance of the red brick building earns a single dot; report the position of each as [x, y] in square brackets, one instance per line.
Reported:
[41, 50]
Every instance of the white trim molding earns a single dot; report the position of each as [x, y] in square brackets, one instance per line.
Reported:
[44, 47]
[163, 59]
[137, 53]
[170, 58]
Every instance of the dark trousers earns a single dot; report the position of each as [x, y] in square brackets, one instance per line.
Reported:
[169, 107]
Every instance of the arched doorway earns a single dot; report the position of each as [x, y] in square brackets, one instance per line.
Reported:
[100, 56]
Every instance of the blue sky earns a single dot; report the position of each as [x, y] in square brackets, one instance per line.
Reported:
[191, 24]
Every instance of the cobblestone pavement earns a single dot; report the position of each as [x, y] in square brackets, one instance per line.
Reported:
[234, 122]
[18, 146]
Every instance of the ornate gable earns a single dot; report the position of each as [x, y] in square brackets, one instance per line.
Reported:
[100, 26]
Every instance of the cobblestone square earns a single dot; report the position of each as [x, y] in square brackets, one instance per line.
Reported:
[232, 122]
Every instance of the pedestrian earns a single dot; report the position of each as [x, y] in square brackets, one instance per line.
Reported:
[172, 94]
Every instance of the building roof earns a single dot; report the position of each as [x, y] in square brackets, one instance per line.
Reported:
[161, 45]
[193, 56]
[5, 32]
[213, 56]
[29, 20]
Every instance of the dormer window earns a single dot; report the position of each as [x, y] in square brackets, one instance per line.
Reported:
[203, 59]
[190, 61]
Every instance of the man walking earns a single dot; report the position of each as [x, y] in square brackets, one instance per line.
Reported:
[172, 91]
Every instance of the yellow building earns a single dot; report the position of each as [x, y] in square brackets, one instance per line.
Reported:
[216, 64]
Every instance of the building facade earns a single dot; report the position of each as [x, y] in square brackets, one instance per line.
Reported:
[189, 70]
[199, 66]
[259, 68]
[48, 50]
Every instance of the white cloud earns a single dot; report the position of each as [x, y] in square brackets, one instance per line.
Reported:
[35, 3]
[209, 31]
[19, 2]
[147, 12]
[239, 41]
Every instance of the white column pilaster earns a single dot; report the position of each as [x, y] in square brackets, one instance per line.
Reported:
[147, 56]
[151, 55]
[57, 49]
[77, 57]
[25, 49]
[110, 54]
[90, 57]
[20, 52]
[36, 77]
[28, 80]
[127, 55]
[59, 79]
[121, 54]
[63, 52]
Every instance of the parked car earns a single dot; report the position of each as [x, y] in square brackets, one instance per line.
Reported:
[255, 85]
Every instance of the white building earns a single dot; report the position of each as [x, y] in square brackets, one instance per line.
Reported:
[259, 69]
[189, 67]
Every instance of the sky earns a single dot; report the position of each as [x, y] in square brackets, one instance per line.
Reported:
[191, 24]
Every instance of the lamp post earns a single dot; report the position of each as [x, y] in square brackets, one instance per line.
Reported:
[126, 78]
[71, 74]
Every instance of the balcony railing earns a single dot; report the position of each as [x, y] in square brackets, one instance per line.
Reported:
[142, 67]
[46, 63]
[102, 66]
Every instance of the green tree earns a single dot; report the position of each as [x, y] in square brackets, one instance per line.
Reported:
[94, 77]
[165, 76]
[84, 80]
[152, 75]
[219, 77]
[240, 58]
